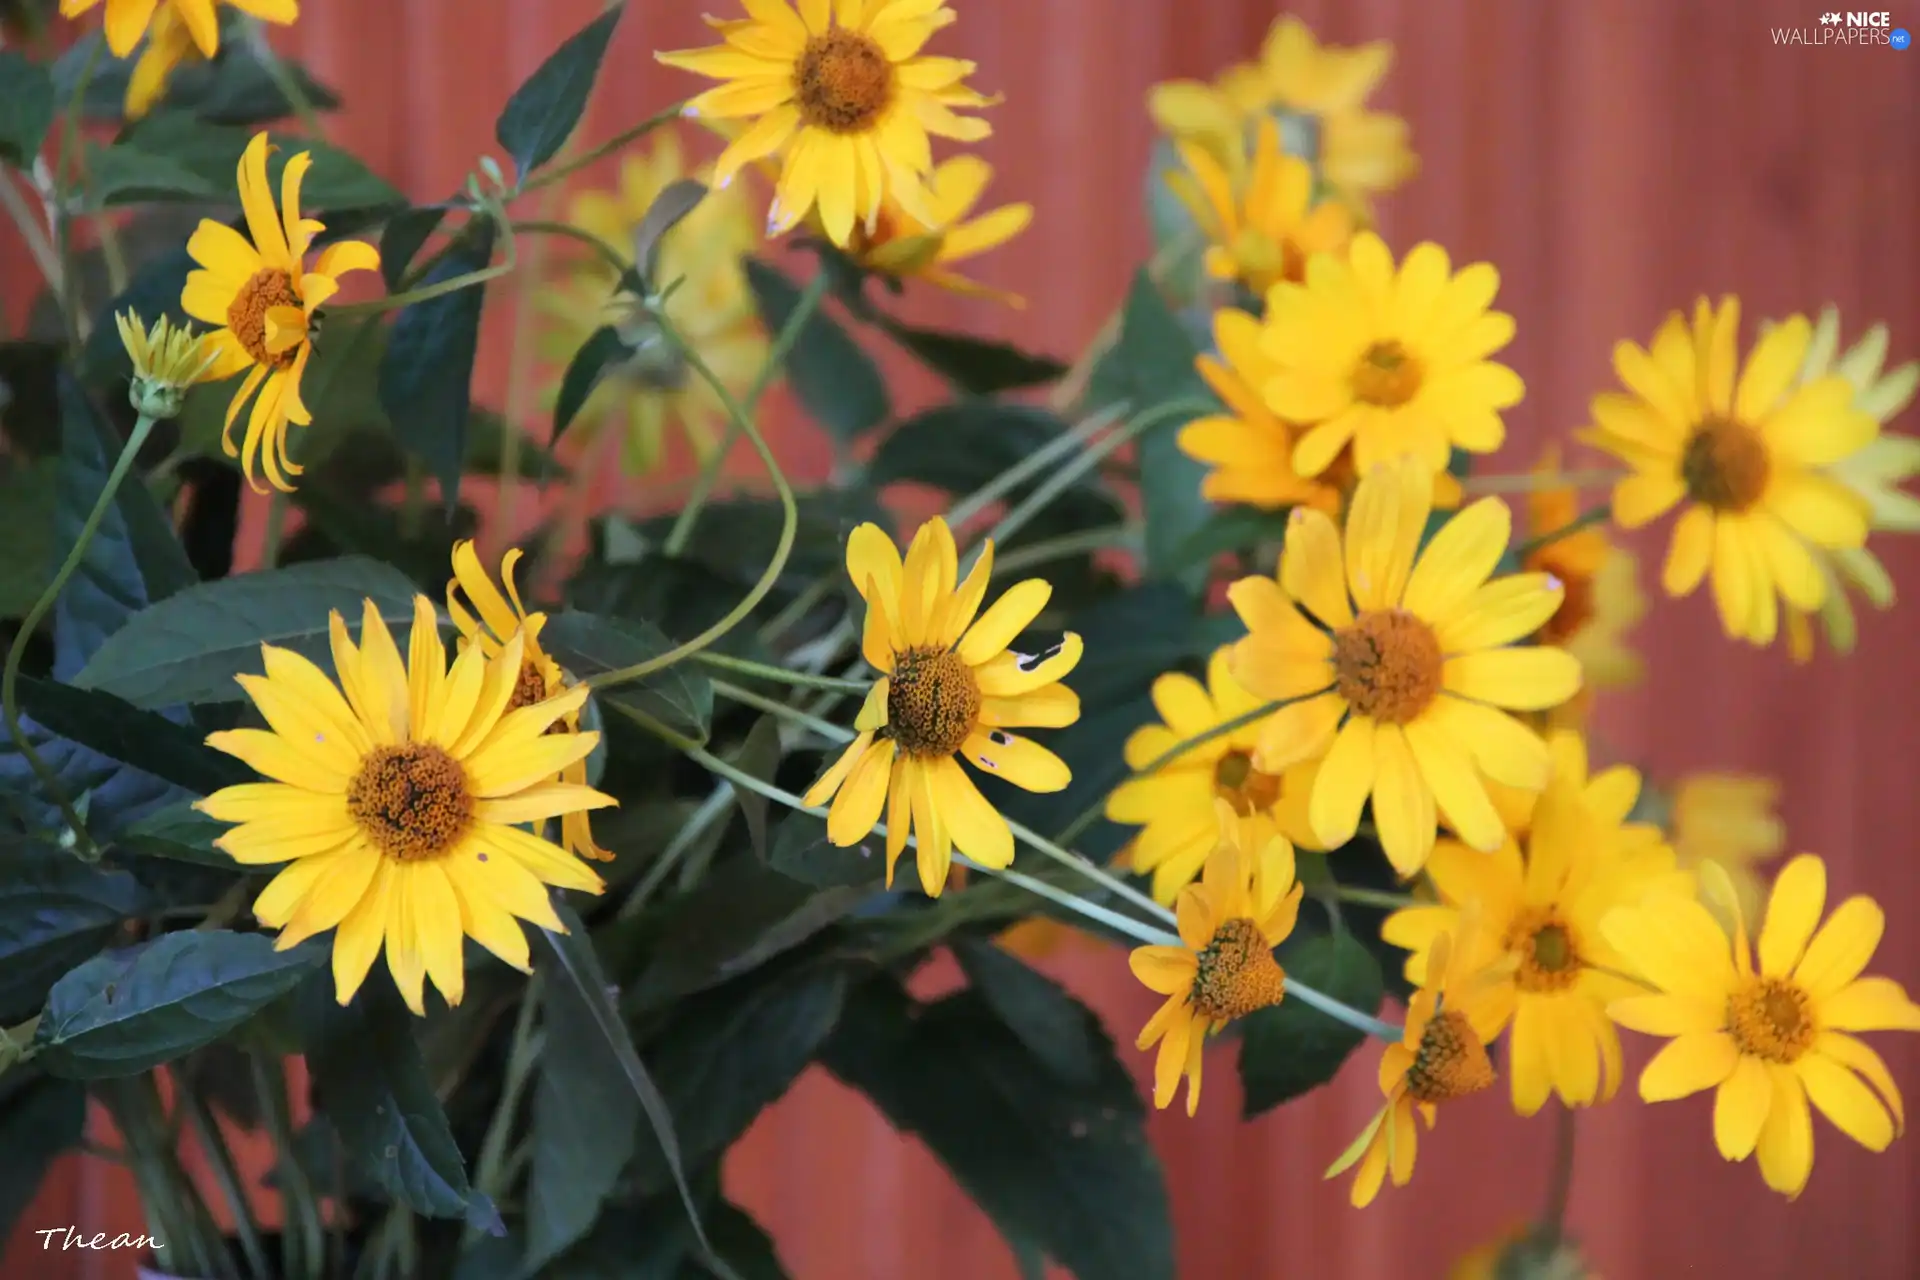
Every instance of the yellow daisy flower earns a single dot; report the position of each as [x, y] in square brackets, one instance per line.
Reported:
[127, 20]
[1319, 90]
[842, 92]
[263, 298]
[1177, 805]
[902, 246]
[1263, 232]
[712, 308]
[1543, 912]
[399, 805]
[1769, 1037]
[1441, 1055]
[1399, 660]
[1731, 820]
[1389, 361]
[949, 685]
[1746, 455]
[493, 622]
[1245, 905]
[167, 359]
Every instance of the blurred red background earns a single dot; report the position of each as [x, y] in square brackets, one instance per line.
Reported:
[1613, 158]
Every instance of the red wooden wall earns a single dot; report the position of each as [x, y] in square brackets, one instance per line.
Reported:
[1614, 158]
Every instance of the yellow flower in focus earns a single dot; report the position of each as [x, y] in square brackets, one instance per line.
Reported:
[1177, 805]
[654, 390]
[1399, 661]
[1390, 361]
[1746, 451]
[949, 684]
[902, 246]
[398, 805]
[842, 92]
[1441, 1055]
[264, 298]
[1265, 231]
[127, 20]
[1728, 819]
[1246, 904]
[1318, 91]
[492, 624]
[1770, 1037]
[1543, 913]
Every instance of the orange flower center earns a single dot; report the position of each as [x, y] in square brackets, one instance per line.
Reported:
[1577, 604]
[247, 314]
[1236, 973]
[1450, 1062]
[933, 702]
[411, 801]
[1264, 259]
[843, 81]
[529, 688]
[1549, 958]
[1387, 665]
[1771, 1018]
[1387, 375]
[1248, 790]
[1725, 465]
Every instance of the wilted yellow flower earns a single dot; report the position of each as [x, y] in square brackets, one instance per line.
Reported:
[904, 247]
[167, 359]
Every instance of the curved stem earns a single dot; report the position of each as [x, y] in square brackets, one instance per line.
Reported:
[1531, 482]
[1067, 544]
[1560, 1178]
[1374, 897]
[425, 293]
[548, 227]
[283, 79]
[10, 679]
[774, 707]
[1086, 867]
[611, 145]
[1032, 465]
[1585, 520]
[1340, 1012]
[781, 675]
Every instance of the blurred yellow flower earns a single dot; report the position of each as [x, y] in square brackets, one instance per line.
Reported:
[127, 20]
[1521, 1255]
[1729, 819]
[902, 246]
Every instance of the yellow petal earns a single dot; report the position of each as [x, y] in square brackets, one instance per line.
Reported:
[1526, 679]
[977, 828]
[1021, 761]
[1793, 911]
[1740, 1108]
[1845, 1100]
[1687, 1065]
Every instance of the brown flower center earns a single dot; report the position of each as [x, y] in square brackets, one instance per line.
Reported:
[1236, 973]
[1771, 1018]
[1387, 375]
[1549, 958]
[933, 702]
[412, 801]
[1450, 1061]
[843, 81]
[1387, 665]
[529, 688]
[1576, 603]
[247, 314]
[1248, 790]
[1725, 465]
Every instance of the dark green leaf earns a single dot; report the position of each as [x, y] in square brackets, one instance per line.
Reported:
[125, 174]
[134, 1009]
[835, 381]
[27, 492]
[1038, 1010]
[179, 833]
[675, 201]
[801, 851]
[759, 756]
[234, 89]
[545, 109]
[1183, 275]
[170, 155]
[189, 648]
[406, 232]
[605, 348]
[122, 732]
[959, 447]
[26, 108]
[588, 645]
[426, 377]
[55, 911]
[976, 366]
[1226, 529]
[1293, 1048]
[153, 292]
[738, 536]
[487, 435]
[40, 1120]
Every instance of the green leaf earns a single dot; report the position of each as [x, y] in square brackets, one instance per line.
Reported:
[604, 349]
[179, 833]
[1292, 1048]
[1036, 1009]
[130, 1010]
[1224, 530]
[836, 382]
[153, 292]
[675, 201]
[959, 447]
[407, 231]
[26, 108]
[26, 530]
[759, 756]
[40, 1120]
[55, 911]
[189, 648]
[1064, 1166]
[122, 732]
[234, 89]
[1183, 276]
[125, 174]
[588, 645]
[545, 109]
[801, 851]
[172, 156]
[975, 366]
[426, 376]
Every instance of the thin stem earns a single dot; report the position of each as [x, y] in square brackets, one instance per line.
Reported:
[1531, 482]
[1075, 380]
[1585, 520]
[716, 806]
[774, 707]
[544, 226]
[226, 1175]
[1068, 544]
[1086, 867]
[780, 675]
[560, 172]
[1032, 465]
[1340, 1012]
[65, 173]
[425, 293]
[1560, 1175]
[303, 1242]
[283, 79]
[798, 608]
[10, 679]
[1374, 897]
[489, 1173]
[1135, 929]
[520, 360]
[38, 243]
[167, 1194]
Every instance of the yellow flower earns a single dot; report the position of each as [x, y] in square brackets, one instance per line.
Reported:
[712, 307]
[1522, 1255]
[1770, 1038]
[1441, 1055]
[1543, 912]
[1245, 904]
[499, 619]
[1319, 91]
[949, 684]
[1400, 664]
[264, 299]
[1389, 361]
[902, 246]
[399, 805]
[167, 359]
[1728, 819]
[842, 92]
[1746, 454]
[1177, 805]
[127, 20]
[1265, 232]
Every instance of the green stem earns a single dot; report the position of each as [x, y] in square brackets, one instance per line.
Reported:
[1374, 897]
[489, 1172]
[39, 246]
[543, 226]
[65, 175]
[168, 1195]
[714, 808]
[1032, 465]
[1539, 482]
[425, 293]
[302, 1238]
[560, 172]
[10, 679]
[1341, 1012]
[226, 1175]
[1560, 1178]
[1086, 867]
[520, 360]
[1036, 554]
[1585, 520]
[283, 79]
[779, 675]
[774, 707]
[800, 606]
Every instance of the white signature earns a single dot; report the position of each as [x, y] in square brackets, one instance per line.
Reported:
[99, 1240]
